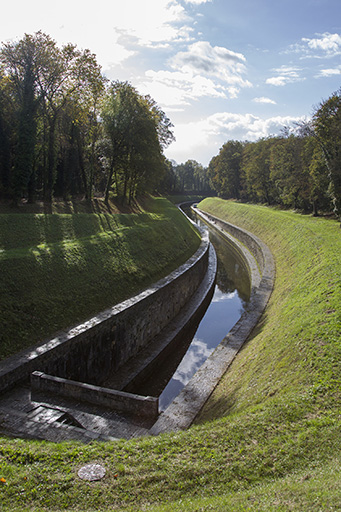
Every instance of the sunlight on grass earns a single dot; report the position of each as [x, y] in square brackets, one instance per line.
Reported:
[60, 269]
[269, 437]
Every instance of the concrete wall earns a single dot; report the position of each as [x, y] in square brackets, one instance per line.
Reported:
[93, 350]
[253, 243]
[119, 401]
[183, 410]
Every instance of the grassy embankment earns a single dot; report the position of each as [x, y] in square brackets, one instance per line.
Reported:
[269, 437]
[59, 269]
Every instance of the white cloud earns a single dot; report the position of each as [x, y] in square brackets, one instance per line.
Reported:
[322, 46]
[213, 61]
[203, 138]
[202, 57]
[111, 29]
[197, 2]
[285, 75]
[176, 88]
[328, 43]
[200, 71]
[264, 100]
[329, 72]
[277, 80]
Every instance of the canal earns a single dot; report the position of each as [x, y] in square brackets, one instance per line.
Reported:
[230, 297]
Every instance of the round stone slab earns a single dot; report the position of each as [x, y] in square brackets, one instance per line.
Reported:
[91, 472]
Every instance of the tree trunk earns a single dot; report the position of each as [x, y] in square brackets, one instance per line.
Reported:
[107, 188]
[51, 160]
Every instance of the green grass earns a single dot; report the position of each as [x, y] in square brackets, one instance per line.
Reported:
[178, 199]
[269, 437]
[59, 269]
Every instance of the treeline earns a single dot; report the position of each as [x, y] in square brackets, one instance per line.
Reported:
[65, 130]
[301, 168]
[186, 177]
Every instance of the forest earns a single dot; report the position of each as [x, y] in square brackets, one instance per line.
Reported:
[300, 168]
[66, 131]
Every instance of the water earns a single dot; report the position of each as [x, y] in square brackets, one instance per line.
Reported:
[231, 294]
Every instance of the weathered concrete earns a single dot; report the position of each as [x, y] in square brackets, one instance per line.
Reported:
[41, 419]
[93, 351]
[145, 363]
[179, 299]
[56, 419]
[183, 410]
[119, 401]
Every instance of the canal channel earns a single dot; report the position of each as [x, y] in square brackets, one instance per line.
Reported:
[231, 296]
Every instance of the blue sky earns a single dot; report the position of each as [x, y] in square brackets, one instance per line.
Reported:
[220, 69]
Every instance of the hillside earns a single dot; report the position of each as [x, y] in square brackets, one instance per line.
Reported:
[57, 269]
[268, 438]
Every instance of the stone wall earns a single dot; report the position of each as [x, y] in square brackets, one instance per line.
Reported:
[253, 243]
[127, 403]
[93, 350]
[183, 410]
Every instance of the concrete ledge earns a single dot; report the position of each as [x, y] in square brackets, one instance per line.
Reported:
[119, 401]
[183, 410]
[145, 363]
[96, 349]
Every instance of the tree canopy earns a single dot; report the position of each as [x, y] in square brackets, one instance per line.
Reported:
[301, 168]
[136, 131]
[64, 130]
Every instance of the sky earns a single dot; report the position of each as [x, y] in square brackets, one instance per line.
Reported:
[220, 69]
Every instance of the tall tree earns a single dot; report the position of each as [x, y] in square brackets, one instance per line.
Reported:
[68, 76]
[6, 135]
[45, 81]
[21, 62]
[136, 131]
[225, 170]
[327, 125]
[288, 172]
[256, 168]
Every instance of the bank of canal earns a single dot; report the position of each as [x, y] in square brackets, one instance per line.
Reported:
[230, 298]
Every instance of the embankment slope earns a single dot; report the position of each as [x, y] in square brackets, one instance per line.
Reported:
[268, 438]
[57, 270]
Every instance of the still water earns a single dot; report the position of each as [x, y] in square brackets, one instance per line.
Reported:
[231, 294]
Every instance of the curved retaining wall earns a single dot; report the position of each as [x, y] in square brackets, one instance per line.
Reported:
[258, 258]
[94, 350]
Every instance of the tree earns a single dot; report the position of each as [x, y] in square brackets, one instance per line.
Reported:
[314, 161]
[46, 83]
[21, 62]
[256, 168]
[288, 172]
[327, 129]
[169, 180]
[69, 75]
[6, 135]
[136, 131]
[225, 170]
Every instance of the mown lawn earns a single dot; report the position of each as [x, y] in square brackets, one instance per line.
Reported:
[60, 269]
[269, 437]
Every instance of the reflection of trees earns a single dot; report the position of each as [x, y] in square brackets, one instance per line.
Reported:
[231, 272]
[224, 282]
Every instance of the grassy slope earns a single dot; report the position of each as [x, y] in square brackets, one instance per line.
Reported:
[269, 436]
[59, 269]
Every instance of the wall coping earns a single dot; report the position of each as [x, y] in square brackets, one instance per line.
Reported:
[183, 410]
[120, 401]
[18, 367]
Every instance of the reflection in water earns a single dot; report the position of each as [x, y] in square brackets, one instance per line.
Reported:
[231, 294]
